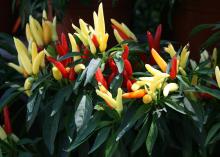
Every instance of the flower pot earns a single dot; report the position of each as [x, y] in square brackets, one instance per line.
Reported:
[189, 14]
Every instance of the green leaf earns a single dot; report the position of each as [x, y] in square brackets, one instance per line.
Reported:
[120, 64]
[100, 138]
[32, 108]
[8, 96]
[79, 80]
[83, 111]
[215, 93]
[212, 134]
[141, 136]
[85, 132]
[175, 106]
[50, 129]
[39, 81]
[138, 114]
[69, 55]
[59, 99]
[92, 68]
[183, 80]
[151, 137]
[200, 28]
[116, 83]
[51, 51]
[213, 39]
[111, 146]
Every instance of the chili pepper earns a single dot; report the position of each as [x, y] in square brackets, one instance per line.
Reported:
[160, 62]
[37, 62]
[7, 120]
[126, 52]
[23, 53]
[79, 67]
[205, 96]
[214, 57]
[28, 85]
[117, 36]
[100, 78]
[85, 53]
[72, 74]
[128, 68]
[95, 40]
[3, 135]
[56, 73]
[91, 46]
[173, 70]
[170, 87]
[111, 77]
[129, 85]
[59, 66]
[112, 65]
[169, 49]
[36, 31]
[217, 75]
[16, 67]
[64, 42]
[150, 40]
[134, 95]
[120, 32]
[152, 70]
[157, 38]
[47, 32]
[54, 29]
[147, 98]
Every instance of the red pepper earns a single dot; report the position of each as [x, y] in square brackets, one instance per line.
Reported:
[59, 66]
[85, 53]
[112, 65]
[154, 42]
[126, 52]
[95, 41]
[205, 96]
[72, 74]
[173, 70]
[64, 43]
[111, 77]
[128, 68]
[157, 38]
[121, 33]
[129, 84]
[100, 78]
[7, 120]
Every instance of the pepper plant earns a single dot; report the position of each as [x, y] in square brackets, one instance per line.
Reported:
[133, 99]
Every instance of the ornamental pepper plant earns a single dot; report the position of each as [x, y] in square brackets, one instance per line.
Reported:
[84, 98]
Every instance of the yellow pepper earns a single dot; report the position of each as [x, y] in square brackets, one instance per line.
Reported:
[23, 53]
[117, 36]
[34, 51]
[169, 49]
[147, 98]
[56, 73]
[47, 32]
[28, 85]
[217, 75]
[29, 35]
[214, 57]
[37, 62]
[79, 67]
[54, 29]
[184, 56]
[3, 135]
[16, 67]
[152, 70]
[160, 62]
[170, 87]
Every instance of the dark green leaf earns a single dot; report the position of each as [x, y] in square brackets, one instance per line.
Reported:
[215, 93]
[32, 108]
[152, 137]
[83, 111]
[50, 129]
[8, 96]
[92, 68]
[69, 55]
[120, 64]
[100, 138]
[212, 134]
[39, 81]
[85, 132]
[111, 146]
[141, 136]
[116, 83]
[59, 99]
[175, 106]
[200, 28]
[138, 114]
[213, 39]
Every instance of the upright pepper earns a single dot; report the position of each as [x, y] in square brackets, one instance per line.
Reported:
[159, 60]
[173, 70]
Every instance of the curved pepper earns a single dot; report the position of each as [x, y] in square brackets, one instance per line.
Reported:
[100, 78]
[134, 95]
[159, 60]
[59, 66]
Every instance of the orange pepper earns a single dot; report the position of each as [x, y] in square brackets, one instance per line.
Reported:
[159, 60]
[134, 95]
